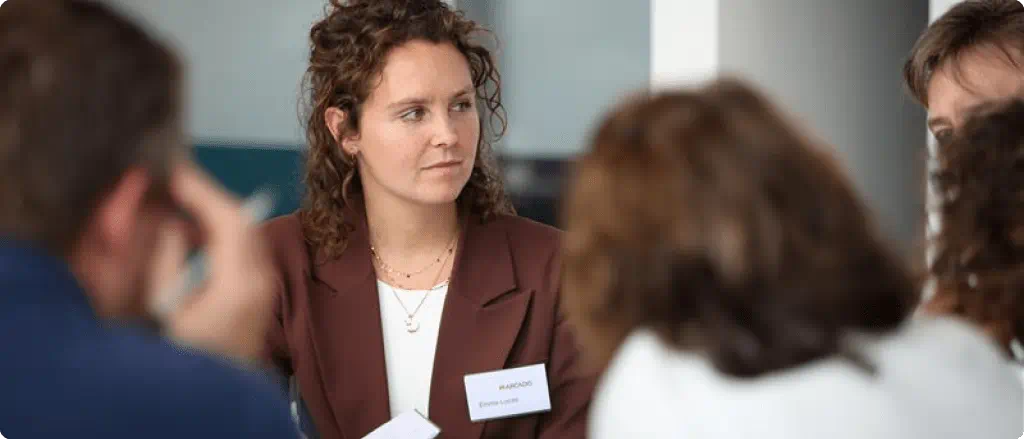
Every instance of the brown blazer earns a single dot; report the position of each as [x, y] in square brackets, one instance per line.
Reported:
[501, 311]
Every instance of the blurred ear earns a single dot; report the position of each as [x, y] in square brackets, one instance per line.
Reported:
[119, 212]
[336, 119]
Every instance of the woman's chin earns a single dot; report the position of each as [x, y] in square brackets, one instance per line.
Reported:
[438, 194]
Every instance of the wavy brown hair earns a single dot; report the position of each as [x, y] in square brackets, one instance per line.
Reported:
[348, 50]
[968, 25]
[704, 216]
[979, 264]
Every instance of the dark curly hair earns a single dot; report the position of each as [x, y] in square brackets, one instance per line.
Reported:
[979, 264]
[706, 217]
[348, 50]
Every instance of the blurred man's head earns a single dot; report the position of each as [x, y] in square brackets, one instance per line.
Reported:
[968, 56]
[89, 125]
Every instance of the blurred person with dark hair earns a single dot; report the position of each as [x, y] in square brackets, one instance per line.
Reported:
[407, 269]
[969, 57]
[93, 170]
[723, 270]
[966, 57]
[979, 264]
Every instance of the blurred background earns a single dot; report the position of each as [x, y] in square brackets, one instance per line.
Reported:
[834, 65]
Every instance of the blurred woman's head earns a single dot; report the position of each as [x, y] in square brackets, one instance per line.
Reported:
[979, 264]
[706, 217]
[399, 93]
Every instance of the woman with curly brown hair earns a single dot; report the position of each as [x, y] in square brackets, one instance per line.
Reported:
[727, 274]
[407, 270]
[979, 264]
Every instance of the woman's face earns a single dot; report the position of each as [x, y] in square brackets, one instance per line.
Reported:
[419, 127]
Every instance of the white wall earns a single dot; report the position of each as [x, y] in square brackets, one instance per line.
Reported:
[563, 63]
[939, 7]
[245, 62]
[836, 66]
[684, 42]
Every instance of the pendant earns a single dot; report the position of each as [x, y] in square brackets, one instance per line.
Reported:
[411, 325]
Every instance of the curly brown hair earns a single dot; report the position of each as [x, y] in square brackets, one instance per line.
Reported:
[979, 265]
[348, 50]
[705, 217]
[968, 25]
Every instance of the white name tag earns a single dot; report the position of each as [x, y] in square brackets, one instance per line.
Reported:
[408, 425]
[506, 393]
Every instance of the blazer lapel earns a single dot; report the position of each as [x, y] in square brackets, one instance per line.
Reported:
[347, 335]
[482, 316]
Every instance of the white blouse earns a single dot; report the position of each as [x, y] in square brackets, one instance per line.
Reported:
[409, 356]
[938, 378]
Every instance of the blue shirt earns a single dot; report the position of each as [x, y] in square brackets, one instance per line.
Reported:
[64, 373]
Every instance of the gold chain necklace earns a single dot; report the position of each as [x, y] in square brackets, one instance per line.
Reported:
[411, 325]
[391, 271]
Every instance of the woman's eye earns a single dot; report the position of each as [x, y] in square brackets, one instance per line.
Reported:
[464, 106]
[414, 115]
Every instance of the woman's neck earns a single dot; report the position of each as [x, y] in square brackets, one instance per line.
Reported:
[398, 228]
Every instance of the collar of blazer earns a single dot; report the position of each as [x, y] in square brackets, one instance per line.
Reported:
[483, 260]
[481, 322]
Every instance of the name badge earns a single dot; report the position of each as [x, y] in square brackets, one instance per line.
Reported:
[408, 425]
[507, 393]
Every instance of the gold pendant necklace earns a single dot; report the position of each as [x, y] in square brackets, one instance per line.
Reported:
[411, 324]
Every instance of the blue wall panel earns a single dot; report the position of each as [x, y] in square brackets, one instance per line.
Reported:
[244, 170]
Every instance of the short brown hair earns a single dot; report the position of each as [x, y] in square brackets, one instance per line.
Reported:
[979, 264]
[349, 48]
[85, 95]
[704, 216]
[968, 25]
